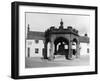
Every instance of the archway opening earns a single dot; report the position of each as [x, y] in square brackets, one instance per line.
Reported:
[74, 46]
[61, 46]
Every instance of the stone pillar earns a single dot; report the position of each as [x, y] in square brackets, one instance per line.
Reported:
[48, 49]
[78, 50]
[55, 48]
[45, 51]
[52, 50]
[70, 51]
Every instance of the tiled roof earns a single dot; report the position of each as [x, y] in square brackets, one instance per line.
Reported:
[84, 39]
[40, 36]
[35, 35]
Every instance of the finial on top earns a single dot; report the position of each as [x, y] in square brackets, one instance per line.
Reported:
[61, 23]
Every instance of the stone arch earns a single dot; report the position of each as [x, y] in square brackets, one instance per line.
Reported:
[75, 46]
[75, 40]
[62, 41]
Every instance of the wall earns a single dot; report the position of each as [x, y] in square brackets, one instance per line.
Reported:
[84, 47]
[33, 45]
[5, 40]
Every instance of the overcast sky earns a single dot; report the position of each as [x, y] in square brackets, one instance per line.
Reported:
[42, 21]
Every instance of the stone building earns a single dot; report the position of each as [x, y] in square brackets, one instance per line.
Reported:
[56, 41]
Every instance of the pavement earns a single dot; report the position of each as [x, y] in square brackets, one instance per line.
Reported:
[37, 62]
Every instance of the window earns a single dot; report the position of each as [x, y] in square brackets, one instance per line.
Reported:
[66, 46]
[36, 41]
[36, 50]
[87, 50]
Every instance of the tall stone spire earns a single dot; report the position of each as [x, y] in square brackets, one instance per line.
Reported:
[61, 24]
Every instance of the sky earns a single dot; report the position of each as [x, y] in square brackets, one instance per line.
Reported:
[43, 21]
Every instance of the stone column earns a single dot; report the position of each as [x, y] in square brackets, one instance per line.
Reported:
[78, 50]
[70, 50]
[55, 48]
[45, 51]
[52, 50]
[48, 49]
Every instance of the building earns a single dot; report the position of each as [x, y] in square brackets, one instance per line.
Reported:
[56, 41]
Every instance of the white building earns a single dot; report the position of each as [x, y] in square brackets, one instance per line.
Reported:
[34, 48]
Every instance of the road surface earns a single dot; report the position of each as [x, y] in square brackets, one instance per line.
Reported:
[37, 62]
